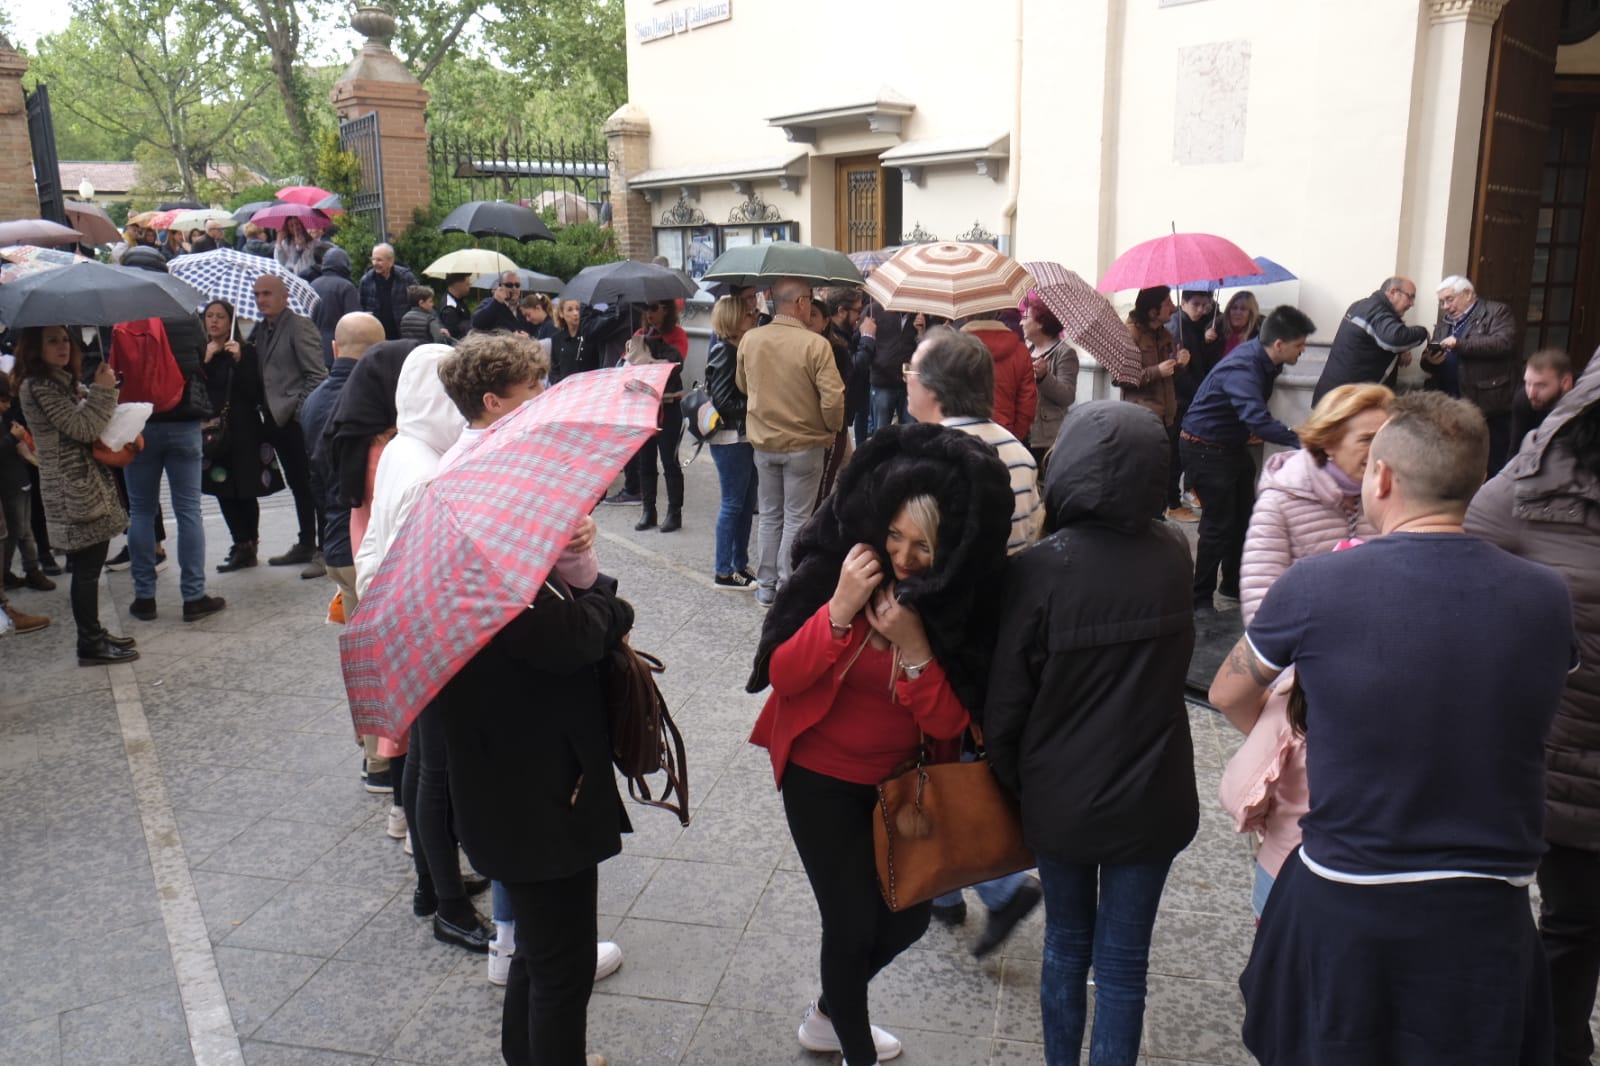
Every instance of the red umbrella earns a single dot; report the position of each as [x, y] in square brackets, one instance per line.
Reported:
[1174, 259]
[1088, 319]
[484, 538]
[274, 217]
[305, 195]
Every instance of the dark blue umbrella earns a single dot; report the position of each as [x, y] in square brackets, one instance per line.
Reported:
[1270, 274]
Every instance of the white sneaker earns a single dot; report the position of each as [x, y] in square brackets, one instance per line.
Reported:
[397, 825]
[607, 959]
[408, 843]
[816, 1034]
[499, 963]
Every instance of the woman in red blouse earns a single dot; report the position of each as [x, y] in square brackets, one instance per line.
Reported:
[859, 681]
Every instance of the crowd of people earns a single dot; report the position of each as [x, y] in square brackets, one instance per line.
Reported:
[957, 556]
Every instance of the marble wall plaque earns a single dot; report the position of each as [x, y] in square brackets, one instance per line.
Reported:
[1212, 105]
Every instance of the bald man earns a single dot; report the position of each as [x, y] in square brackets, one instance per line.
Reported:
[289, 351]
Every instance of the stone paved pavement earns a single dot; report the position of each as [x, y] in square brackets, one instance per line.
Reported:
[303, 950]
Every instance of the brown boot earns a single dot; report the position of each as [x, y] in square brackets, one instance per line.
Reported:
[24, 622]
[36, 580]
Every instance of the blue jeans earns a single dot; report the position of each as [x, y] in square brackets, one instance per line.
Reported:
[886, 404]
[500, 902]
[736, 473]
[1260, 889]
[172, 448]
[994, 894]
[1100, 916]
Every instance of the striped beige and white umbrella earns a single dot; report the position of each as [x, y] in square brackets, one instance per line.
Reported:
[950, 279]
[1088, 320]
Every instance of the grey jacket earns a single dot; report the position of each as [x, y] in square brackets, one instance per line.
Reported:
[81, 506]
[291, 363]
[1490, 363]
[1058, 389]
[1544, 507]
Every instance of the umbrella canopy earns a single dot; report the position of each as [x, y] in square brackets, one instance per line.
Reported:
[628, 282]
[951, 280]
[1267, 273]
[1088, 320]
[95, 294]
[188, 220]
[179, 205]
[762, 264]
[24, 260]
[331, 204]
[38, 231]
[484, 537]
[532, 281]
[228, 274]
[867, 262]
[163, 219]
[92, 221]
[1170, 259]
[469, 261]
[248, 211]
[306, 195]
[496, 218]
[275, 216]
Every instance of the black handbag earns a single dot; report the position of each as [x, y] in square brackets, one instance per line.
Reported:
[214, 431]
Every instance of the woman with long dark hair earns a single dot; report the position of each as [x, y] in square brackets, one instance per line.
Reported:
[296, 249]
[81, 503]
[239, 467]
[667, 342]
[878, 640]
[1160, 361]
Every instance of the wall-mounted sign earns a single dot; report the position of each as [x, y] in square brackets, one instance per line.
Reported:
[663, 24]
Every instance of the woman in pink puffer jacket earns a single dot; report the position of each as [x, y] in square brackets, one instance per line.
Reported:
[1308, 502]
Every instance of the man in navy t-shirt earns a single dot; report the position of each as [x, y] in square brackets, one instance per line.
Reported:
[1431, 664]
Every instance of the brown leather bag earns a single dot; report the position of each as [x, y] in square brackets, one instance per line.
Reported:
[944, 826]
[644, 738]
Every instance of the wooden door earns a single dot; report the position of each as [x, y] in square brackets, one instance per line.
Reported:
[1516, 134]
[859, 204]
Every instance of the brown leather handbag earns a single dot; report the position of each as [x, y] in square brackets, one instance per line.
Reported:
[944, 826]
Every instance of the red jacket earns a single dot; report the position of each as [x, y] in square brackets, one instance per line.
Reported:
[806, 672]
[1016, 396]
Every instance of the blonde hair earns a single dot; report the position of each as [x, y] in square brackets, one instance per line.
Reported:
[727, 316]
[1326, 425]
[924, 511]
[1248, 298]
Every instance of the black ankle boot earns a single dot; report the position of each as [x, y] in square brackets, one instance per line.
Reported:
[101, 652]
[648, 520]
[674, 520]
[239, 557]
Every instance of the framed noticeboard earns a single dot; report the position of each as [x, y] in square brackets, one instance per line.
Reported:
[691, 249]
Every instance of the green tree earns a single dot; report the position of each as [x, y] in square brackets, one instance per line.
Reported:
[279, 26]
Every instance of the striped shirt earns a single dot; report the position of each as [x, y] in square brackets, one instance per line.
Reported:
[1027, 514]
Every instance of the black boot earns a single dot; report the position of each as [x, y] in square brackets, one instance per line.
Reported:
[674, 520]
[648, 520]
[101, 652]
[239, 556]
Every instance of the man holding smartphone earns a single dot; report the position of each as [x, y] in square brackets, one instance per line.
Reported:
[501, 312]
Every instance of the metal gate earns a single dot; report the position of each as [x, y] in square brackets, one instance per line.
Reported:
[360, 136]
[46, 168]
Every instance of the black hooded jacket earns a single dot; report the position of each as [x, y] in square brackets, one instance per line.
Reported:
[365, 409]
[956, 597]
[1085, 718]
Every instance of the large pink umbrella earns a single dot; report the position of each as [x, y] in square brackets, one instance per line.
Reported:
[1174, 259]
[484, 538]
[305, 195]
[1088, 319]
[951, 280]
[275, 216]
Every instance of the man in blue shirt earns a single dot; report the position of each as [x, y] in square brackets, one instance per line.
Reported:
[1229, 409]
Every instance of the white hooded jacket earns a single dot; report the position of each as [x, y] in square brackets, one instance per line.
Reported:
[427, 424]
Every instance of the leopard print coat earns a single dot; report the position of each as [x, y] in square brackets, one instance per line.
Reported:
[81, 505]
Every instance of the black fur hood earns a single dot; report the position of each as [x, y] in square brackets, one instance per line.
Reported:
[958, 598]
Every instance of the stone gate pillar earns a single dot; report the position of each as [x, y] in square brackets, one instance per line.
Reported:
[378, 82]
[19, 197]
[628, 150]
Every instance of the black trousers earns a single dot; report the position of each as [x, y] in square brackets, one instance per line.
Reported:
[289, 441]
[425, 795]
[831, 822]
[1569, 925]
[1225, 481]
[85, 592]
[1499, 441]
[243, 518]
[665, 445]
[1175, 469]
[546, 1016]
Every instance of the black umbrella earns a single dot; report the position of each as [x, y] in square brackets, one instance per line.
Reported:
[496, 218]
[244, 213]
[628, 282]
[179, 205]
[95, 294]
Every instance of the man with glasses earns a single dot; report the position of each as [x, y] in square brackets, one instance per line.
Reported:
[502, 312]
[795, 406]
[1373, 341]
[289, 352]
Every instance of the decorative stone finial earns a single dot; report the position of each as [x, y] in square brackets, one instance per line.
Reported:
[376, 23]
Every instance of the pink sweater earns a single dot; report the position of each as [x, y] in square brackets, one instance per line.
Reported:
[1300, 511]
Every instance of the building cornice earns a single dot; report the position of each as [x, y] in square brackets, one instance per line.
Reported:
[1481, 11]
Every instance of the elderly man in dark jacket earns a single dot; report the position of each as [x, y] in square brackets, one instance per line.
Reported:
[1476, 359]
[1373, 340]
[1545, 507]
[339, 295]
[383, 290]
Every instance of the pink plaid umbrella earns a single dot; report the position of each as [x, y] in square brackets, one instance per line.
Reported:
[1088, 319]
[1174, 259]
[484, 538]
